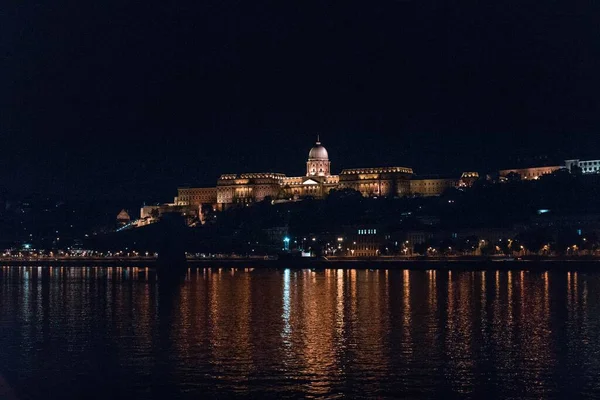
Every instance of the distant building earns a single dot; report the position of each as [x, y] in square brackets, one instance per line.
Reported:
[150, 214]
[248, 188]
[431, 185]
[366, 242]
[428, 220]
[548, 219]
[414, 237]
[123, 218]
[195, 196]
[467, 179]
[277, 236]
[530, 173]
[587, 167]
[491, 235]
[375, 182]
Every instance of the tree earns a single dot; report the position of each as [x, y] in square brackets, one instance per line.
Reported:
[513, 177]
[208, 213]
[282, 194]
[576, 170]
[535, 240]
[567, 239]
[486, 248]
[420, 248]
[468, 245]
[505, 246]
[344, 195]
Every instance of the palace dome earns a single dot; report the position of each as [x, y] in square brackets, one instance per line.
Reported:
[318, 152]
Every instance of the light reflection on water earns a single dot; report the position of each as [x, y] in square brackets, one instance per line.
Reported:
[108, 332]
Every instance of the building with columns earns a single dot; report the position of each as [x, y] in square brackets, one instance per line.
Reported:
[532, 173]
[587, 166]
[247, 188]
[375, 182]
[318, 163]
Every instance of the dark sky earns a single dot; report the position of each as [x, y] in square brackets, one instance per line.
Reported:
[130, 99]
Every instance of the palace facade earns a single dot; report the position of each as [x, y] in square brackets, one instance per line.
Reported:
[530, 173]
[248, 188]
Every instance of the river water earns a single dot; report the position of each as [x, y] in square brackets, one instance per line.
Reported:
[100, 333]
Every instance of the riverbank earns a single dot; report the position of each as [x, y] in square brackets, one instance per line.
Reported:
[467, 263]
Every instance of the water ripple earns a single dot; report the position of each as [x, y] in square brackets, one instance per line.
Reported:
[116, 332]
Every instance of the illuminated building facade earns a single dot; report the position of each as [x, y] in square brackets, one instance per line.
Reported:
[374, 182]
[587, 167]
[530, 173]
[123, 217]
[366, 242]
[431, 186]
[248, 188]
[318, 163]
[467, 179]
[151, 214]
[196, 196]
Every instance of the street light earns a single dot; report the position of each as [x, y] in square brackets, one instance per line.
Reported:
[286, 243]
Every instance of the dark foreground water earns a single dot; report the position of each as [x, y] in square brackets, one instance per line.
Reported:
[104, 333]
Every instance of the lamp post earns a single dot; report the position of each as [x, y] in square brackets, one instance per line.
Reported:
[286, 243]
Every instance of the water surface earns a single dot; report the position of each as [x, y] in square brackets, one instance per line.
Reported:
[100, 333]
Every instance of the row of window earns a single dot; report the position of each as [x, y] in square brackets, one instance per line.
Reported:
[434, 183]
[367, 231]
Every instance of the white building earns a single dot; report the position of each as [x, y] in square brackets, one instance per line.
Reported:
[587, 167]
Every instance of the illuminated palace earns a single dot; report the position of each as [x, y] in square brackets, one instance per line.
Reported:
[248, 188]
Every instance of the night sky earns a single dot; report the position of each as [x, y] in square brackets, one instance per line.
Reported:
[131, 99]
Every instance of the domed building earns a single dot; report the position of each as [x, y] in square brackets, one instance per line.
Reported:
[318, 163]
[248, 188]
[317, 182]
[318, 152]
